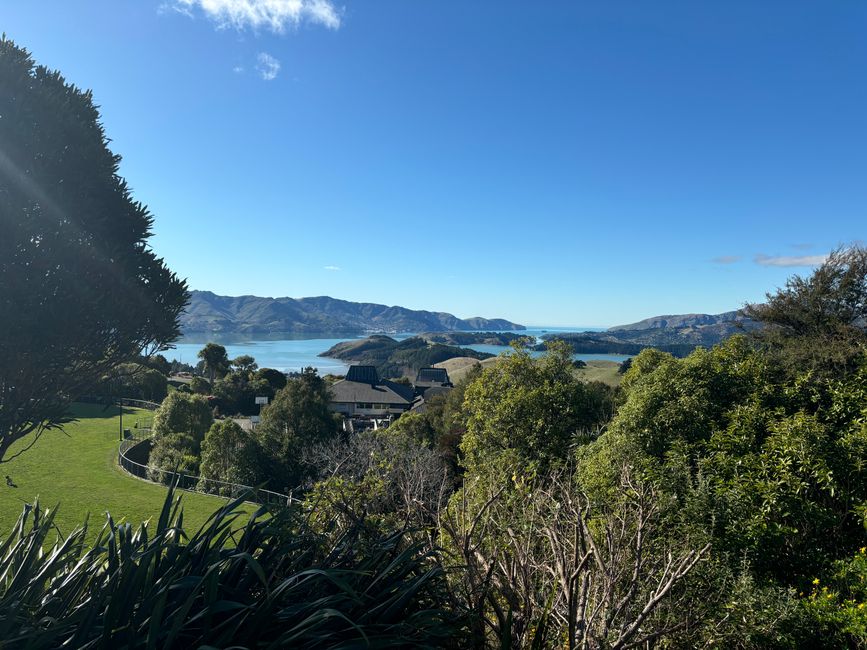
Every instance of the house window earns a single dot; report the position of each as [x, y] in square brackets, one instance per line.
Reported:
[363, 405]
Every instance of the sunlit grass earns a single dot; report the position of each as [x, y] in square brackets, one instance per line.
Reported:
[77, 469]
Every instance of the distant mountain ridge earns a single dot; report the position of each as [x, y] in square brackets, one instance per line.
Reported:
[209, 312]
[678, 334]
[683, 320]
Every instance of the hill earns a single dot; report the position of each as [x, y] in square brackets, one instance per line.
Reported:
[681, 321]
[595, 370]
[208, 312]
[473, 338]
[398, 358]
[677, 334]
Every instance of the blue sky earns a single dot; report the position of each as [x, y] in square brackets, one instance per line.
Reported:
[558, 163]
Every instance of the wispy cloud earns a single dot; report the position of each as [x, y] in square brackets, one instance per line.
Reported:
[790, 260]
[268, 67]
[273, 15]
[331, 267]
[726, 259]
[238, 69]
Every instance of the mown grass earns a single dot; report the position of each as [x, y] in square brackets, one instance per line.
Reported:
[596, 370]
[600, 370]
[77, 469]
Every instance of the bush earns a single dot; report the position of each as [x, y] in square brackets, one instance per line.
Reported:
[269, 582]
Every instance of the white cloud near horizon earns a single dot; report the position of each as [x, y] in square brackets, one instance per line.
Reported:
[790, 260]
[268, 67]
[274, 15]
[331, 267]
[726, 259]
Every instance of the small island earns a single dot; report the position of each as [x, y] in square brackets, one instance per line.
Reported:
[394, 358]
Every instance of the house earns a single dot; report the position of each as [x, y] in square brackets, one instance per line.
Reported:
[428, 378]
[364, 395]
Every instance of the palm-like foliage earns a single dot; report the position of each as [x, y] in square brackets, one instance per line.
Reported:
[269, 583]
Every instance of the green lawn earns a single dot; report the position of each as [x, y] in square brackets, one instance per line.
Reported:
[77, 469]
[604, 371]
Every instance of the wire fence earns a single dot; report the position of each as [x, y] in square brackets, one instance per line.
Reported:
[125, 401]
[192, 483]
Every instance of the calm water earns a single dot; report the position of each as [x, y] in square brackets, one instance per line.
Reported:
[290, 353]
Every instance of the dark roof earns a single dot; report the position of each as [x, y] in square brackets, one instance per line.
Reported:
[432, 376]
[384, 392]
[363, 374]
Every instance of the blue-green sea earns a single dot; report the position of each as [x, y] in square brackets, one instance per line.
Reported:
[291, 353]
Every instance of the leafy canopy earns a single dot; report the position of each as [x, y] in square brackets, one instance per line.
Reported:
[81, 291]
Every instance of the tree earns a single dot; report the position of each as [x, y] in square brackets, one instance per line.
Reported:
[275, 378]
[159, 363]
[819, 322]
[80, 290]
[183, 413]
[229, 454]
[244, 364]
[200, 386]
[526, 412]
[136, 381]
[215, 359]
[297, 418]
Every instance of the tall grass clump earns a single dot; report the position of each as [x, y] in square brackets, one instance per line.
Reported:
[263, 582]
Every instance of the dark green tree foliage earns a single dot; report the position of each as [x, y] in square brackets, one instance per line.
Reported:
[135, 381]
[671, 399]
[528, 412]
[171, 453]
[790, 484]
[297, 419]
[229, 454]
[179, 427]
[237, 391]
[80, 290]
[244, 364]
[819, 322]
[200, 386]
[774, 469]
[159, 363]
[276, 379]
[182, 413]
[215, 360]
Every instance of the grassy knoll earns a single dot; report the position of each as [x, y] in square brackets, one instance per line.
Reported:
[77, 468]
[596, 370]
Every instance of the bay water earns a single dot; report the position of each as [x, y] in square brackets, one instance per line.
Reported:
[291, 353]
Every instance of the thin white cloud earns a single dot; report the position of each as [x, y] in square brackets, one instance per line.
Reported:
[238, 69]
[726, 259]
[790, 260]
[273, 15]
[268, 67]
[331, 267]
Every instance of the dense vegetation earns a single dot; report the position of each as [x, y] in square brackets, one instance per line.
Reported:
[716, 500]
[475, 338]
[398, 358]
[719, 499]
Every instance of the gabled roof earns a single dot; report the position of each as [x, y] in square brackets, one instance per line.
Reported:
[432, 376]
[363, 374]
[384, 392]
